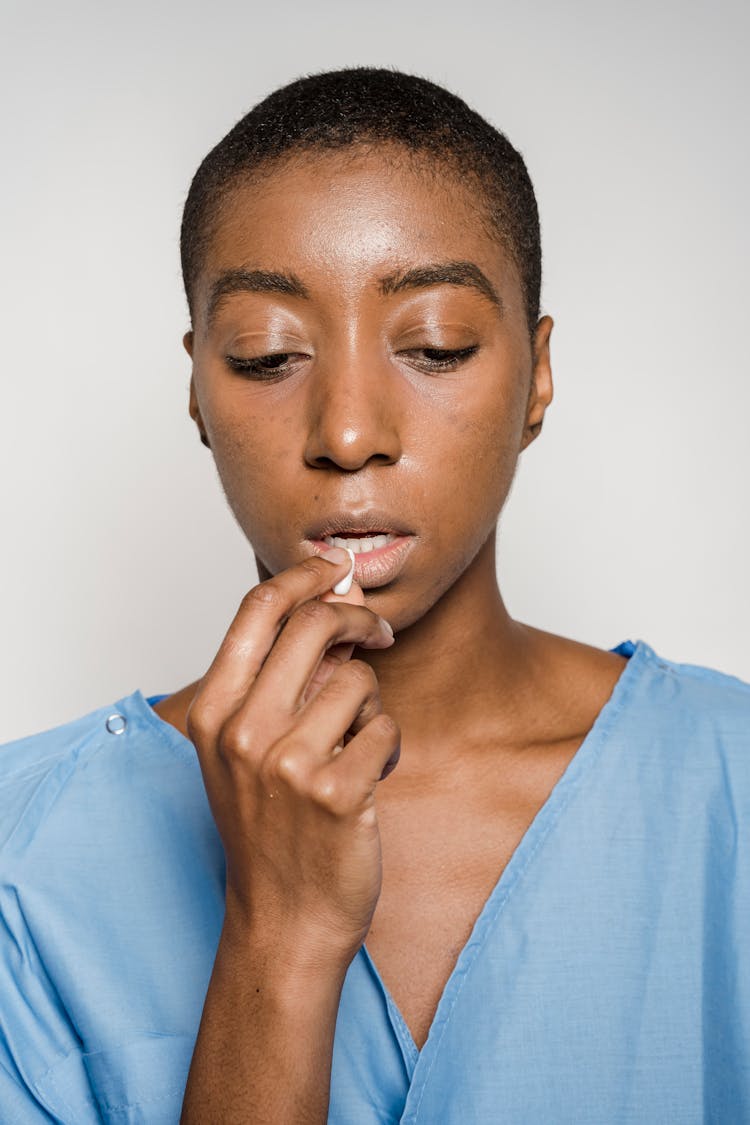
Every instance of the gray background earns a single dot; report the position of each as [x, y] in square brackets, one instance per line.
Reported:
[122, 566]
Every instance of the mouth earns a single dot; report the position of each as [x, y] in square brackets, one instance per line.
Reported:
[380, 544]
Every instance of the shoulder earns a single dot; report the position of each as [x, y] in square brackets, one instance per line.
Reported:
[72, 771]
[685, 728]
[693, 694]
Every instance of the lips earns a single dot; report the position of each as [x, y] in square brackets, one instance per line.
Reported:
[374, 567]
[357, 524]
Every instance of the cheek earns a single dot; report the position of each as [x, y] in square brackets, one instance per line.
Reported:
[469, 462]
[480, 453]
[253, 453]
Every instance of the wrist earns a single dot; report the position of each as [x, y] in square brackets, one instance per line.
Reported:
[298, 953]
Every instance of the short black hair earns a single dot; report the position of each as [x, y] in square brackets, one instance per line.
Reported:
[364, 106]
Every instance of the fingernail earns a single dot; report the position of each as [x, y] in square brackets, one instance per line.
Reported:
[334, 555]
[387, 625]
[345, 585]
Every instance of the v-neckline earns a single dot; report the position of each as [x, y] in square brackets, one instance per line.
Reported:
[529, 845]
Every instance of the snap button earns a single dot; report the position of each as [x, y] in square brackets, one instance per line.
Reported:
[116, 723]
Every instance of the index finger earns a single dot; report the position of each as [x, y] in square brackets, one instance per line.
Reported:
[261, 616]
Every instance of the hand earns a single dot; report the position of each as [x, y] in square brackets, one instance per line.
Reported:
[292, 741]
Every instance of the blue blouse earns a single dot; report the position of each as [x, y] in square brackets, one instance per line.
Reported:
[606, 980]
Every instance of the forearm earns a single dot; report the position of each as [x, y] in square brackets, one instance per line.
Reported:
[265, 1042]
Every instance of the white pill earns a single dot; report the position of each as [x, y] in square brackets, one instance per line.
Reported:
[345, 585]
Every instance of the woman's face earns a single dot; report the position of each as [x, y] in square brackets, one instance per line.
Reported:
[329, 291]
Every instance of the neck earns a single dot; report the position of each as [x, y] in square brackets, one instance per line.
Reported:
[458, 671]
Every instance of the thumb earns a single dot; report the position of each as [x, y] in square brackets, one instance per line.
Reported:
[354, 597]
[336, 654]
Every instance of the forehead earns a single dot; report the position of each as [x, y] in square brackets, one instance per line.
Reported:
[353, 209]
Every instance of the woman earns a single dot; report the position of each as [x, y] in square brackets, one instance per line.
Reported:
[396, 856]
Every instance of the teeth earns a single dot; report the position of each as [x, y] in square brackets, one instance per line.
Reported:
[360, 546]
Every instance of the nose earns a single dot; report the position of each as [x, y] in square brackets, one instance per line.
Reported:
[353, 414]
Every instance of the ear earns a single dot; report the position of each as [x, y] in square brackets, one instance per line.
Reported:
[187, 343]
[541, 389]
[195, 412]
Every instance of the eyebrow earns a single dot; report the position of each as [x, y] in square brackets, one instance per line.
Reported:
[251, 281]
[420, 277]
[442, 273]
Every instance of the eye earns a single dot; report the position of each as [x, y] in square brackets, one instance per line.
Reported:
[440, 359]
[262, 366]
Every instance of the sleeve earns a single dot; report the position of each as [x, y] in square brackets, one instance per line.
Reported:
[18, 1106]
[43, 1077]
[46, 1073]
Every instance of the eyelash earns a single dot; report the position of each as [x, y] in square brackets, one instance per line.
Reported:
[439, 359]
[255, 366]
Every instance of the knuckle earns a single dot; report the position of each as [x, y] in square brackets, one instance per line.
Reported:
[360, 675]
[198, 723]
[386, 727]
[289, 767]
[315, 614]
[326, 792]
[265, 596]
[314, 567]
[238, 741]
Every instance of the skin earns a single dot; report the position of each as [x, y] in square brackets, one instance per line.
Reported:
[484, 711]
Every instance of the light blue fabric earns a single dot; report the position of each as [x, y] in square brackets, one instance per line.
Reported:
[606, 982]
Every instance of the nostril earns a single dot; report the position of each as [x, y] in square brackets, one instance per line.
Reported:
[349, 464]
